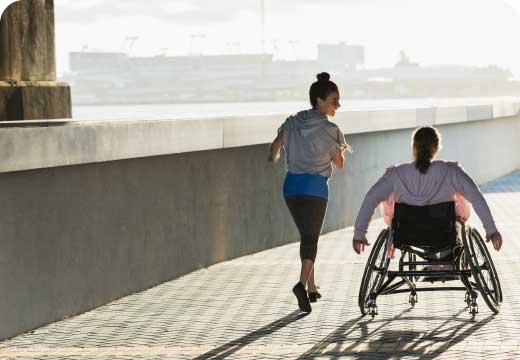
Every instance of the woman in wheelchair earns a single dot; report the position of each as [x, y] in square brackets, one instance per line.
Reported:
[427, 221]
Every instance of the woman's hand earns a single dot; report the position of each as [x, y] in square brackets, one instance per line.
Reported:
[496, 240]
[273, 157]
[359, 245]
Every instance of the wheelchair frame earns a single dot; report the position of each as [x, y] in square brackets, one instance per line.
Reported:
[472, 264]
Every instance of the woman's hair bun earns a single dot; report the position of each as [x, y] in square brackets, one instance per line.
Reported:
[323, 76]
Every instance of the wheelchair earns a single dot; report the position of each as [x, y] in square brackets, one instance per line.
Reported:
[435, 246]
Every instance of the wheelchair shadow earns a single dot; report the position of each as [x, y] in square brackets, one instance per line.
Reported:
[332, 343]
[233, 346]
[363, 342]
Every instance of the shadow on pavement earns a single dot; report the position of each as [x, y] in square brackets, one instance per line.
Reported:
[409, 343]
[235, 345]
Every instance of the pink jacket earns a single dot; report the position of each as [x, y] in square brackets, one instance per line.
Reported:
[444, 181]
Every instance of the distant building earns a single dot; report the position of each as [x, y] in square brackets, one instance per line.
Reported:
[341, 56]
[100, 77]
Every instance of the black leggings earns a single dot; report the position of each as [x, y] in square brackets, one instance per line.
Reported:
[308, 213]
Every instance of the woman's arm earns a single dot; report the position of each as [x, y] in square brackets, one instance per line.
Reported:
[380, 191]
[276, 146]
[467, 187]
[339, 160]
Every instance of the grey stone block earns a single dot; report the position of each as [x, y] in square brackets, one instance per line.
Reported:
[28, 90]
[27, 50]
[34, 102]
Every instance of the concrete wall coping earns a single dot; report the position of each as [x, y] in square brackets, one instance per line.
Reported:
[12, 83]
[29, 145]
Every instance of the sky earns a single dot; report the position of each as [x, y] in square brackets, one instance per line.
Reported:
[431, 32]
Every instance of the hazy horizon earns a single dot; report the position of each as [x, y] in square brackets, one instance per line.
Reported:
[476, 33]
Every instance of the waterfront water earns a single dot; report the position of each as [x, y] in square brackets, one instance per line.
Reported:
[178, 111]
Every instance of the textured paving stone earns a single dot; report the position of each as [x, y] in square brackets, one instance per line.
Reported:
[244, 309]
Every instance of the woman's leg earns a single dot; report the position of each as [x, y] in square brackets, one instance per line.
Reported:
[306, 271]
[315, 209]
[308, 213]
[311, 284]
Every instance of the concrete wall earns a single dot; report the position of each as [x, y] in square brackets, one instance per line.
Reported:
[112, 223]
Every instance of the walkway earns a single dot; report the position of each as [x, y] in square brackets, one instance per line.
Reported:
[243, 309]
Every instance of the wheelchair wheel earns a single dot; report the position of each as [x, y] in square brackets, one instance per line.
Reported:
[480, 266]
[375, 272]
[485, 253]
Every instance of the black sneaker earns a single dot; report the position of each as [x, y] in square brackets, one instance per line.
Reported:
[314, 296]
[303, 299]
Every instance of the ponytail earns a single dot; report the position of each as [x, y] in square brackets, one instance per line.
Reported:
[426, 142]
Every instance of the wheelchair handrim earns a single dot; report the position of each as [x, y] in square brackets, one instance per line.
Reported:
[481, 244]
[369, 269]
[476, 272]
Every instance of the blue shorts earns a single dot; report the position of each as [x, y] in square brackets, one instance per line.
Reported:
[306, 184]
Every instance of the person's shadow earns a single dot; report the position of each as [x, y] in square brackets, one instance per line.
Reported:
[233, 346]
[450, 332]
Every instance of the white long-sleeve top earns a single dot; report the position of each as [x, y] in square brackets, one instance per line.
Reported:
[408, 185]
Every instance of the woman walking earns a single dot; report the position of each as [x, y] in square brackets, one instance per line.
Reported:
[312, 144]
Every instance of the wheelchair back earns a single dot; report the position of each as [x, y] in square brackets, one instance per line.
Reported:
[429, 227]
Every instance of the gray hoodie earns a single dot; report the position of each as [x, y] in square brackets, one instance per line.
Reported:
[441, 182]
[310, 141]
